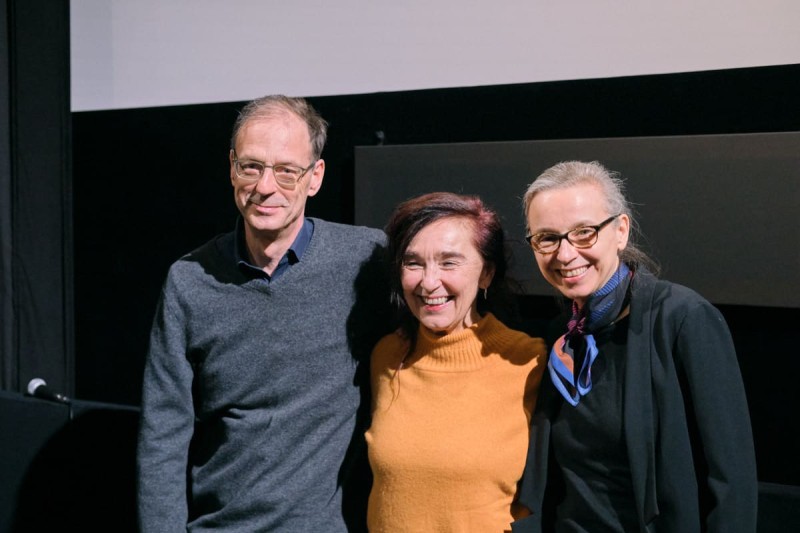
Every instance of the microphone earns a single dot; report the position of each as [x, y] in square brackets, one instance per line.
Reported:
[37, 387]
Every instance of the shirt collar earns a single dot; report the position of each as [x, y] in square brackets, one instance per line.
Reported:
[293, 255]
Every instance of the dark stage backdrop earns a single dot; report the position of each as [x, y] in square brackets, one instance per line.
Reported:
[151, 184]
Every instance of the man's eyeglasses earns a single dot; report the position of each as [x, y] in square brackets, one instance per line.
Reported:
[286, 176]
[581, 237]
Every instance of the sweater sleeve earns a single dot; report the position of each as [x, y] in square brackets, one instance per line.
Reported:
[705, 349]
[166, 424]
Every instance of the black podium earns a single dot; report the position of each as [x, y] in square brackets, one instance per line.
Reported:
[66, 467]
[72, 468]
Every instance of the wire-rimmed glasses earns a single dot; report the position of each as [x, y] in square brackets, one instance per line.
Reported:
[286, 176]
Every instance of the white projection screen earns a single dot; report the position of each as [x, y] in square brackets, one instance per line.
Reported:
[150, 53]
[719, 212]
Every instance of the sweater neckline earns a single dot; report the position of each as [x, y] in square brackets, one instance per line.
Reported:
[466, 350]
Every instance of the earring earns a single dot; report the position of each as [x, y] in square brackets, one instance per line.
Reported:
[485, 293]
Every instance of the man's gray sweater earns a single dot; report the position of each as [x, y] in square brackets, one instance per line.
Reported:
[254, 400]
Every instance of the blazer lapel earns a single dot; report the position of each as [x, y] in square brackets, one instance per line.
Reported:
[639, 410]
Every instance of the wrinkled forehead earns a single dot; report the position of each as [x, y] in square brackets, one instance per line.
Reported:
[273, 117]
[586, 194]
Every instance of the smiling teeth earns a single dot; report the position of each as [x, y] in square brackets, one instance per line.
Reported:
[435, 301]
[574, 272]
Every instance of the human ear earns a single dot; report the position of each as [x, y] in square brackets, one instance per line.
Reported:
[623, 231]
[487, 275]
[315, 180]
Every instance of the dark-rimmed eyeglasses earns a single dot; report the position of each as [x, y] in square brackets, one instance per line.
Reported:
[286, 176]
[580, 237]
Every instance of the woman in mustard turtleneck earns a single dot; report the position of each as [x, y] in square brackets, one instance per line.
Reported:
[453, 388]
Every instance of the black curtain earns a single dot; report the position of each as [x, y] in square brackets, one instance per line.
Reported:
[36, 273]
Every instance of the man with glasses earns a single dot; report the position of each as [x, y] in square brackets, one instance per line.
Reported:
[252, 411]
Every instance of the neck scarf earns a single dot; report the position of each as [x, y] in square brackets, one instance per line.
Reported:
[577, 347]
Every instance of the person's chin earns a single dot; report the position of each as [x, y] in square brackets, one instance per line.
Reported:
[263, 223]
[576, 291]
[436, 327]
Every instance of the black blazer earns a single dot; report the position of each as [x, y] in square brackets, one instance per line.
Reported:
[687, 425]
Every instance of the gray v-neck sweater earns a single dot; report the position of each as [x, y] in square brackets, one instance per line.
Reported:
[253, 406]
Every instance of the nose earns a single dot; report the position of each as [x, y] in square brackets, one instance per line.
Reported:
[566, 252]
[430, 279]
[266, 184]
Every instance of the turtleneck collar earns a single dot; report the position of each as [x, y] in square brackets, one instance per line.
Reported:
[466, 350]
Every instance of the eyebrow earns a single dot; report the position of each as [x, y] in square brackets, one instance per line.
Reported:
[582, 224]
[275, 164]
[261, 161]
[443, 255]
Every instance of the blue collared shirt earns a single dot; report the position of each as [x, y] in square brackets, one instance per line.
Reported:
[291, 257]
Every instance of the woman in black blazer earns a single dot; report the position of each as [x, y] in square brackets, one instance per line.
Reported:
[642, 421]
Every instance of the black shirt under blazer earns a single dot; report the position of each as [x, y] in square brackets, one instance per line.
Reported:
[686, 421]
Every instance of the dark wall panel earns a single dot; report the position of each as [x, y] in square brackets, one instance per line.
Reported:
[718, 210]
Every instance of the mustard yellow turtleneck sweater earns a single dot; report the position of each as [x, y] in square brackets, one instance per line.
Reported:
[449, 432]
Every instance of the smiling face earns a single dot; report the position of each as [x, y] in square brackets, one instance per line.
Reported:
[441, 274]
[271, 212]
[577, 272]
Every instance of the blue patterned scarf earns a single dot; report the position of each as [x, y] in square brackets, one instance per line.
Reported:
[577, 347]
